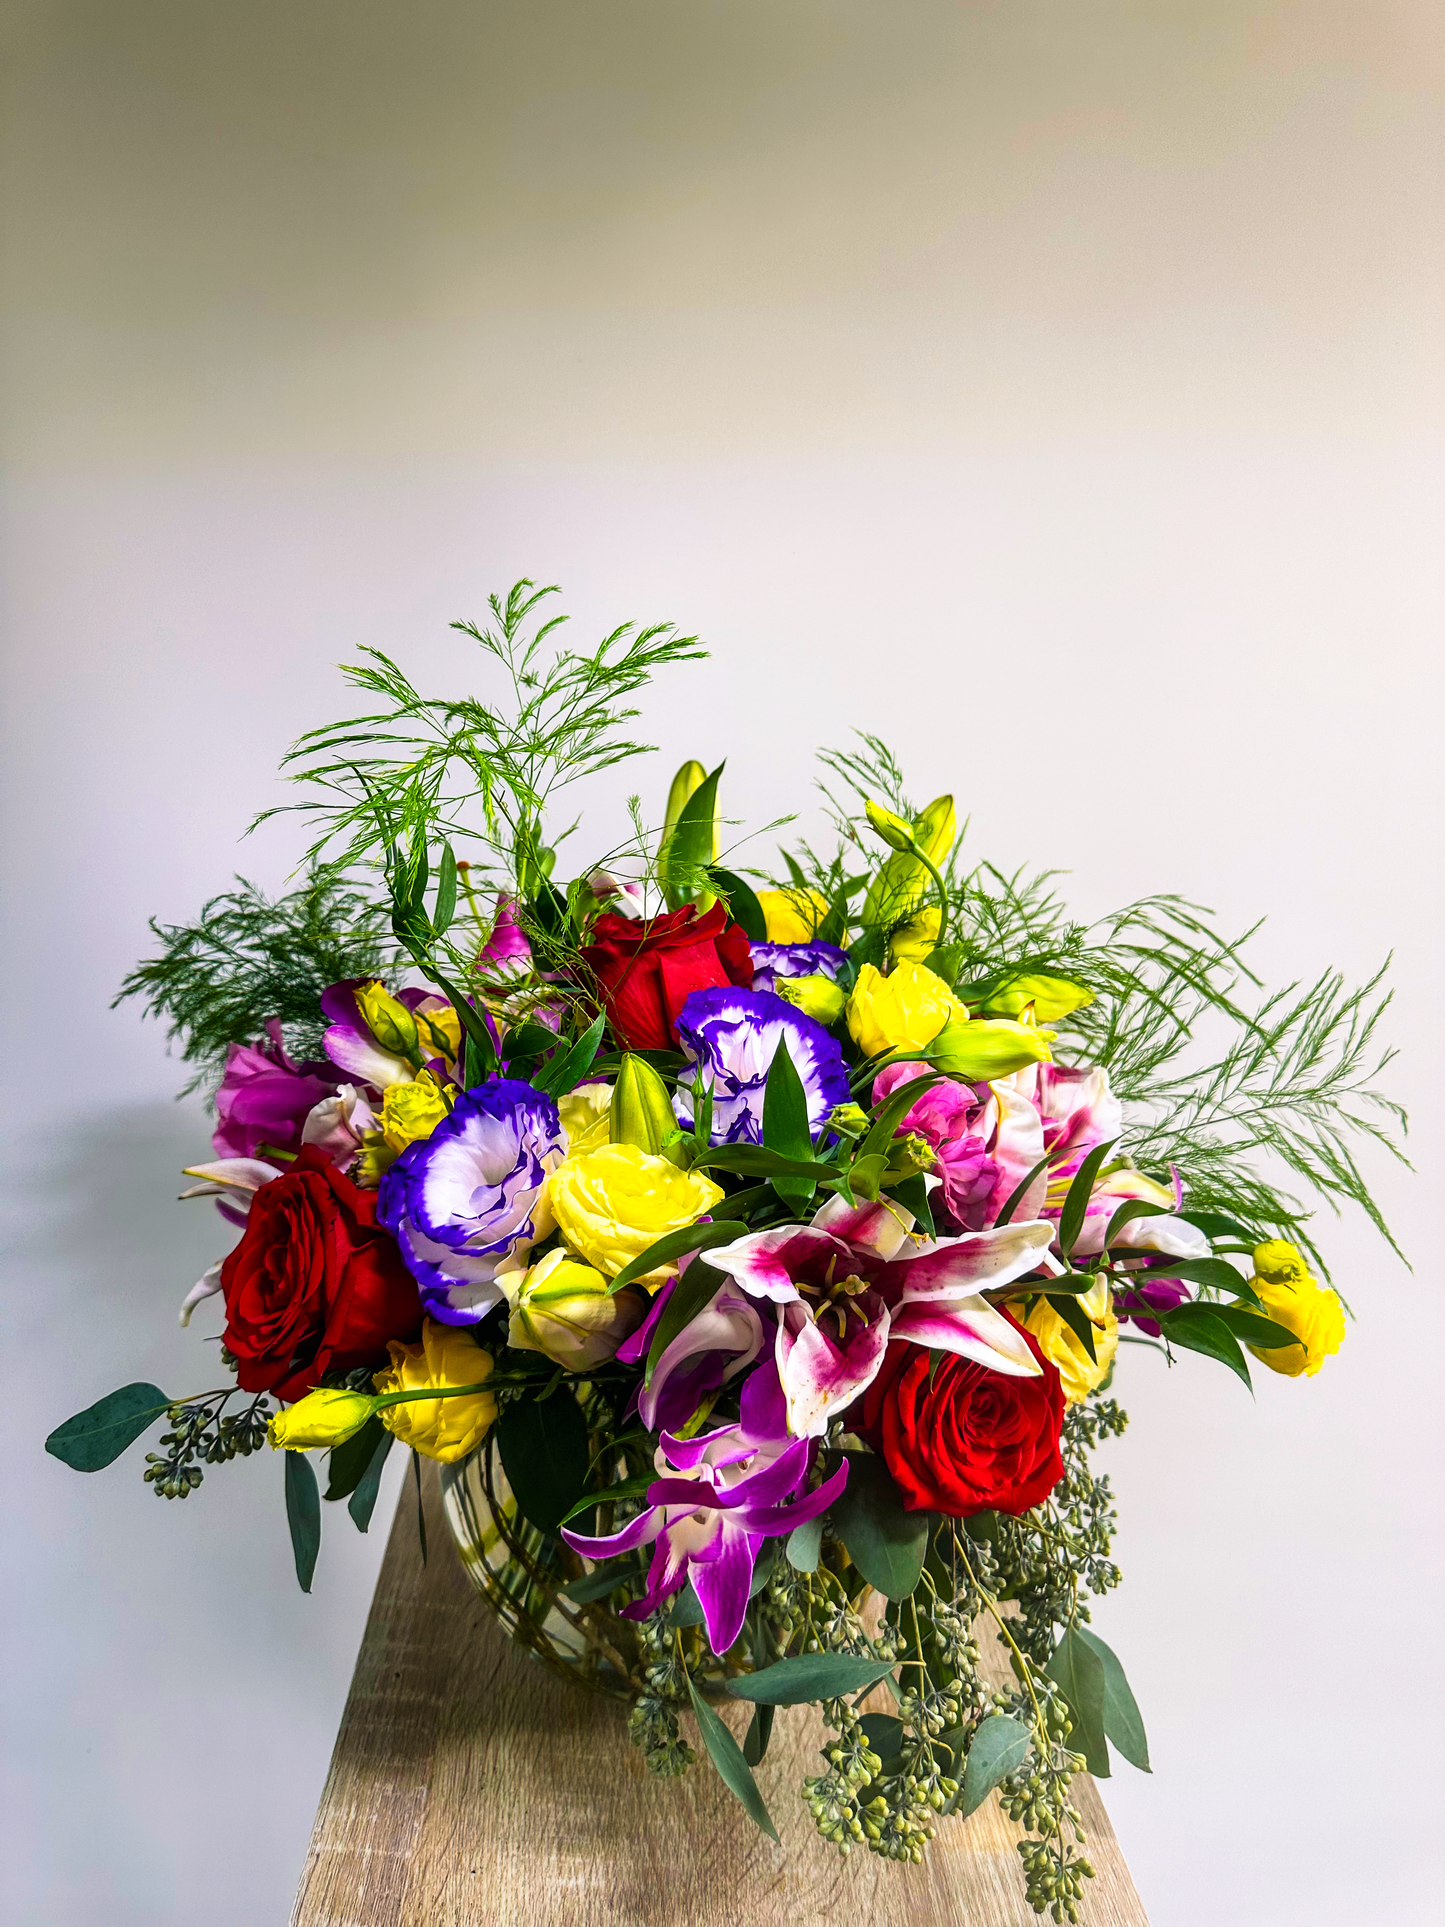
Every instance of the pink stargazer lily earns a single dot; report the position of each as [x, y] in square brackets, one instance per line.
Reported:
[847, 1283]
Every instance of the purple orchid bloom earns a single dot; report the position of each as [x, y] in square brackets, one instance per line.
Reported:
[774, 960]
[468, 1201]
[717, 1497]
[265, 1097]
[507, 951]
[845, 1284]
[732, 1036]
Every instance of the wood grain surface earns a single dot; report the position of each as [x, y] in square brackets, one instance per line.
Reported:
[471, 1788]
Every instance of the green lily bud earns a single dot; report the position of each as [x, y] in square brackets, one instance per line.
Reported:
[903, 882]
[985, 1049]
[689, 778]
[641, 1111]
[1052, 997]
[817, 997]
[390, 1023]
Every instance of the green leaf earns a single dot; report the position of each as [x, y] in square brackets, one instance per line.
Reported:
[527, 1040]
[760, 1731]
[1071, 1219]
[891, 1111]
[303, 1515]
[1217, 1224]
[811, 1676]
[755, 1161]
[609, 1494]
[804, 1545]
[97, 1436]
[727, 1757]
[567, 1070]
[1128, 1211]
[1255, 1330]
[446, 905]
[543, 1443]
[999, 1747]
[483, 1050]
[1199, 1328]
[785, 1122]
[1072, 1312]
[912, 1194]
[362, 1502]
[1218, 1273]
[674, 1244]
[598, 1585]
[1122, 1721]
[743, 905]
[420, 1504]
[887, 1736]
[1078, 1671]
[348, 1462]
[1021, 1191]
[690, 849]
[885, 1543]
[692, 1291]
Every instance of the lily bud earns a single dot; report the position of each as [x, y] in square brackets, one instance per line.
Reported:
[981, 1050]
[323, 1418]
[641, 1111]
[897, 834]
[817, 997]
[390, 1023]
[562, 1309]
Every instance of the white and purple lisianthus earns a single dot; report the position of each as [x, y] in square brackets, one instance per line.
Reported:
[732, 1037]
[468, 1200]
[774, 960]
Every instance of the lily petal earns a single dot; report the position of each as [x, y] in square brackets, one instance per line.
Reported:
[819, 1380]
[765, 1262]
[206, 1286]
[880, 1228]
[977, 1261]
[974, 1330]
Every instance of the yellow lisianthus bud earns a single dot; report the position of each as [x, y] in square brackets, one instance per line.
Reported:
[1051, 997]
[1065, 1350]
[915, 940]
[817, 997]
[438, 1428]
[390, 1023]
[988, 1048]
[792, 916]
[438, 1032]
[1292, 1297]
[613, 1203]
[897, 834]
[562, 1309]
[902, 1011]
[903, 882]
[412, 1111]
[586, 1117]
[323, 1418]
[642, 1112]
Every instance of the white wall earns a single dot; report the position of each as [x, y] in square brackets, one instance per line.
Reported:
[1053, 388]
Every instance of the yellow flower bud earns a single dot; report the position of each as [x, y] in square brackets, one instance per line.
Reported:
[1051, 997]
[897, 834]
[817, 997]
[562, 1309]
[586, 1117]
[642, 1112]
[1064, 1349]
[613, 1203]
[914, 942]
[902, 1011]
[412, 1111]
[903, 882]
[439, 1428]
[390, 1023]
[323, 1418]
[988, 1048]
[438, 1032]
[1292, 1297]
[792, 916]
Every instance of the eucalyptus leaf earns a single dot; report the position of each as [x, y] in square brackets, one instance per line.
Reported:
[346, 1467]
[887, 1544]
[1076, 1318]
[1000, 1746]
[760, 1731]
[303, 1515]
[1078, 1671]
[808, 1677]
[545, 1455]
[603, 1582]
[727, 1757]
[362, 1502]
[97, 1436]
[624, 1489]
[804, 1545]
[1128, 1211]
[1122, 1721]
[887, 1736]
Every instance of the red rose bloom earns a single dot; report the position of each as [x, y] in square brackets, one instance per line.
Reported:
[647, 968]
[315, 1285]
[973, 1441]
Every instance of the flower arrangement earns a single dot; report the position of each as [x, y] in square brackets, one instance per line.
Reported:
[753, 1253]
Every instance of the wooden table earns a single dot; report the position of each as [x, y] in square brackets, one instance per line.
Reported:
[470, 1788]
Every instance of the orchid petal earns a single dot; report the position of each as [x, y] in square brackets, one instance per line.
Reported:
[782, 1518]
[640, 1531]
[722, 1585]
[728, 1324]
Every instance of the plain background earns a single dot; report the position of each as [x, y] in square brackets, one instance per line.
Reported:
[1054, 388]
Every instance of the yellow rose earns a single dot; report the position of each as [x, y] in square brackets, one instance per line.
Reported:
[324, 1417]
[1063, 1348]
[411, 1111]
[903, 1011]
[915, 941]
[1292, 1297]
[792, 916]
[563, 1310]
[613, 1203]
[586, 1117]
[438, 1428]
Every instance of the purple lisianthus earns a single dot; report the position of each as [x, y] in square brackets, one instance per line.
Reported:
[732, 1037]
[264, 1097]
[774, 960]
[465, 1200]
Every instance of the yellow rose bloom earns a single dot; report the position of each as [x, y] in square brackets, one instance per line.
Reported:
[915, 940]
[439, 1428]
[1292, 1297]
[325, 1417]
[611, 1204]
[563, 1310]
[411, 1111]
[903, 1011]
[586, 1117]
[792, 916]
[1064, 1349]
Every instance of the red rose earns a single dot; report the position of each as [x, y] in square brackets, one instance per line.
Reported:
[647, 968]
[315, 1285]
[974, 1440]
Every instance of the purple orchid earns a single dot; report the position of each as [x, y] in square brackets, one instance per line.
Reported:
[732, 1037]
[717, 1497]
[468, 1201]
[507, 951]
[845, 1284]
[774, 960]
[1147, 1293]
[265, 1097]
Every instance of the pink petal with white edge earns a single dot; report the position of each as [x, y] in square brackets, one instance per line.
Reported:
[978, 1261]
[974, 1331]
[764, 1262]
[879, 1228]
[818, 1379]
